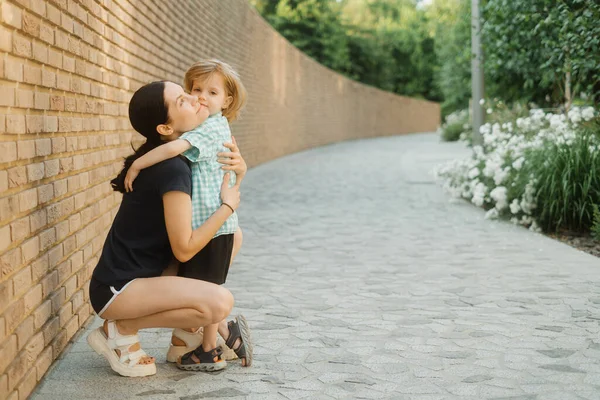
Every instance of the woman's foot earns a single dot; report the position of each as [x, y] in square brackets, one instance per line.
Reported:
[121, 350]
[145, 360]
[183, 341]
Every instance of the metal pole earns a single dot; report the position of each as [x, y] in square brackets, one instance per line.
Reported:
[476, 72]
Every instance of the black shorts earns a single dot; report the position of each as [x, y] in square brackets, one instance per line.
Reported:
[211, 264]
[102, 295]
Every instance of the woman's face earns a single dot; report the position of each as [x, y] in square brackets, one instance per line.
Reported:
[185, 112]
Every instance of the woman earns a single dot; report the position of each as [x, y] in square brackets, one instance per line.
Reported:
[153, 224]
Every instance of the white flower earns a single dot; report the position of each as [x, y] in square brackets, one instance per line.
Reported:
[499, 195]
[473, 173]
[588, 113]
[489, 111]
[481, 102]
[514, 206]
[518, 163]
[491, 214]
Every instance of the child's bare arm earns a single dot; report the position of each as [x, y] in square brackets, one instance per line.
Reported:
[161, 153]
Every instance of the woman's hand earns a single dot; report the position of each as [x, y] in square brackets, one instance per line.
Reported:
[233, 160]
[230, 195]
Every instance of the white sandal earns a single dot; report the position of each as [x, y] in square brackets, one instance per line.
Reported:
[128, 363]
[192, 340]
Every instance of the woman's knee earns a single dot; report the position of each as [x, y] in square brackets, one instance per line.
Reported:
[221, 304]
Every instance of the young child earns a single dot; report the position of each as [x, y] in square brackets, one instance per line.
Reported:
[218, 88]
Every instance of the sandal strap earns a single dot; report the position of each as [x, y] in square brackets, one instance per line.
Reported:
[191, 339]
[204, 357]
[234, 333]
[126, 341]
[131, 359]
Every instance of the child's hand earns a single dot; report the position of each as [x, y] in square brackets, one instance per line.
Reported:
[132, 173]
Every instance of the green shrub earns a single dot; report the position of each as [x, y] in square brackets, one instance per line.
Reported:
[451, 133]
[568, 181]
[596, 223]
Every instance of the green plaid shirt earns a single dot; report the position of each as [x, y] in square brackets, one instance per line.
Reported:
[207, 176]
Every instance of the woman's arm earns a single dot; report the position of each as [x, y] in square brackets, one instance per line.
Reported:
[159, 154]
[186, 242]
[233, 161]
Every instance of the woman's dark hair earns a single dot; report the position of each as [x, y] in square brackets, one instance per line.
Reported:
[147, 110]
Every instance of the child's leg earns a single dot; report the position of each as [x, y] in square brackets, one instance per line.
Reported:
[238, 238]
[209, 341]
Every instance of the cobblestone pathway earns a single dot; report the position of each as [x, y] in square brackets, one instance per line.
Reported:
[361, 280]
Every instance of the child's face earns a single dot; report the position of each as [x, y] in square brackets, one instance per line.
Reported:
[211, 93]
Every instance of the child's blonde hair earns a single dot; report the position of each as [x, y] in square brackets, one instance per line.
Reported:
[233, 84]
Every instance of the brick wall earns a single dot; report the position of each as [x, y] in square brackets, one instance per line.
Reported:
[67, 71]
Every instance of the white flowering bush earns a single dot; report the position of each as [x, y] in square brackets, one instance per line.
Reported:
[454, 125]
[542, 170]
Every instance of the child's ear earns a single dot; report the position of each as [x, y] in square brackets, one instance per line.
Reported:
[164, 129]
[227, 102]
